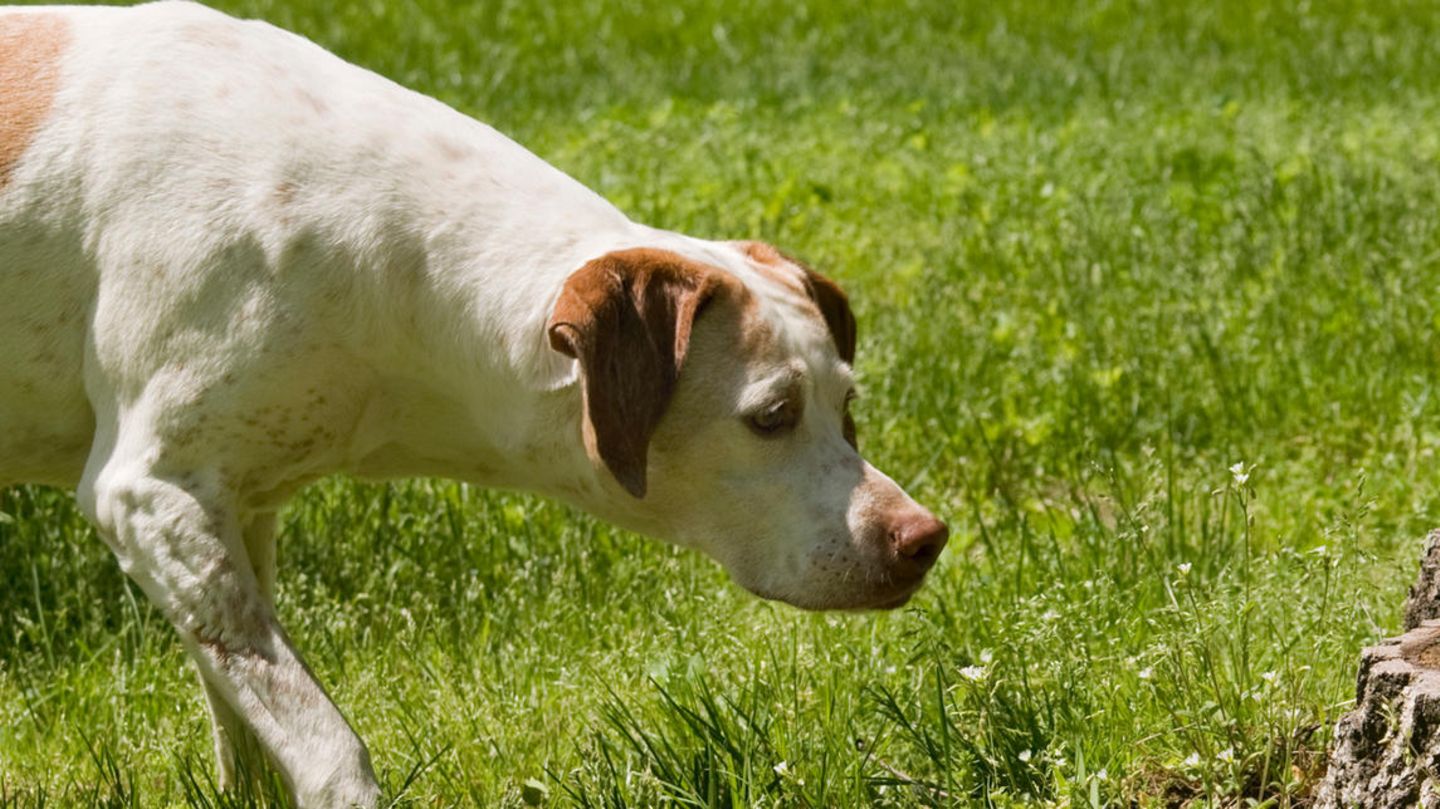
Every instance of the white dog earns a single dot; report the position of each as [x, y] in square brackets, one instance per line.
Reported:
[231, 263]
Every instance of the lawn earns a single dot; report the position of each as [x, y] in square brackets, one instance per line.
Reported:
[1148, 294]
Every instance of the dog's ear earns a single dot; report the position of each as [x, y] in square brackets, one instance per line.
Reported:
[835, 308]
[626, 317]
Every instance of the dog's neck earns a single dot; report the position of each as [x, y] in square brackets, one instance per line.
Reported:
[478, 394]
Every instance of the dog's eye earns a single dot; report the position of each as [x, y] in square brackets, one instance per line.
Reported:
[773, 419]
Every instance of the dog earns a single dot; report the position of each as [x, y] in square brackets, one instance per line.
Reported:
[232, 264]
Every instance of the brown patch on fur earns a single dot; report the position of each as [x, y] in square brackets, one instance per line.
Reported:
[30, 50]
[627, 317]
[761, 252]
[284, 192]
[832, 302]
[770, 263]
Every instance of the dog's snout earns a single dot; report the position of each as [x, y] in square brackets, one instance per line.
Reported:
[918, 540]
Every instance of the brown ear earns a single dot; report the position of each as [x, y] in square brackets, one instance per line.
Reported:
[835, 308]
[626, 317]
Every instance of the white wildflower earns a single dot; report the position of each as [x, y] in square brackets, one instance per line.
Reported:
[1226, 755]
[1146, 673]
[782, 769]
[1192, 761]
[1024, 755]
[1184, 568]
[1240, 474]
[973, 673]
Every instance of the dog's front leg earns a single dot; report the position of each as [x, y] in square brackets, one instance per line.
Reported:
[175, 531]
[238, 754]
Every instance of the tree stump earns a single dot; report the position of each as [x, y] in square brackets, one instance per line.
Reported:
[1386, 752]
[1424, 601]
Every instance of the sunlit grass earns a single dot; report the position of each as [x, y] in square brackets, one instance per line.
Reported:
[1100, 253]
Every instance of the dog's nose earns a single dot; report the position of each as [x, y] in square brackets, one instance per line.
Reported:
[918, 540]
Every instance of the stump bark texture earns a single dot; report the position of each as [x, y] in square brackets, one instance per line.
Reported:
[1424, 601]
[1386, 753]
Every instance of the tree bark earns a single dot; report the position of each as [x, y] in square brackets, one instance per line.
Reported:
[1424, 601]
[1386, 753]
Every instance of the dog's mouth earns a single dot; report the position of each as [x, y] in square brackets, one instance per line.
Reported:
[897, 602]
[894, 598]
[881, 600]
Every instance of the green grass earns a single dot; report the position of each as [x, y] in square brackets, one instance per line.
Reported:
[1100, 253]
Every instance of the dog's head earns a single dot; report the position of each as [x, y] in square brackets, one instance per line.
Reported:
[717, 394]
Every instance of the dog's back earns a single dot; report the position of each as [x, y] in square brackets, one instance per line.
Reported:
[167, 169]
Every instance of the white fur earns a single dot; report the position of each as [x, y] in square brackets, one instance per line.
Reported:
[231, 263]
